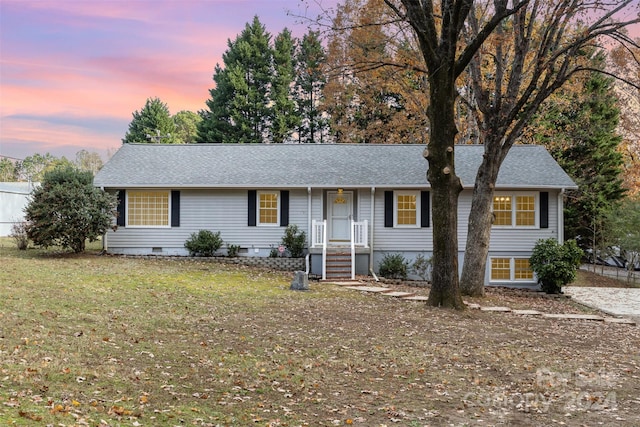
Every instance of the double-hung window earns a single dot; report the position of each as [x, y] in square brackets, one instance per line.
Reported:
[514, 210]
[148, 208]
[268, 207]
[406, 208]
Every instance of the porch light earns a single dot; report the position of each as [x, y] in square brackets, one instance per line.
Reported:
[339, 200]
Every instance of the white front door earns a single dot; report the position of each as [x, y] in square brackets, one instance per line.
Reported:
[340, 213]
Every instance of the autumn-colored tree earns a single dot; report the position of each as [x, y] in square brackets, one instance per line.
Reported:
[516, 53]
[534, 51]
[624, 61]
[374, 94]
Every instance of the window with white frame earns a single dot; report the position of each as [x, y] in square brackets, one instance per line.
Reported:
[510, 270]
[268, 207]
[148, 208]
[514, 210]
[406, 208]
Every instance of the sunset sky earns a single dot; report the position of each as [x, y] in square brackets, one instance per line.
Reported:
[72, 72]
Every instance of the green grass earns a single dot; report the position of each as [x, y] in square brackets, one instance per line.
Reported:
[101, 340]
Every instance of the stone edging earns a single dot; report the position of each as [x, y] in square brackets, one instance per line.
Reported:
[272, 263]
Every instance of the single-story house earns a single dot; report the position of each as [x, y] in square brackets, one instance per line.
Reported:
[14, 197]
[355, 202]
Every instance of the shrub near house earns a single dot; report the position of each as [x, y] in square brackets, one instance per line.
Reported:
[555, 264]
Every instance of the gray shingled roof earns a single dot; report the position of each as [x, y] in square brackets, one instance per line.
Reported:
[312, 165]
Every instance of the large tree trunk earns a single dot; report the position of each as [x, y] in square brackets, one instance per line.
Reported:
[445, 187]
[479, 228]
[445, 285]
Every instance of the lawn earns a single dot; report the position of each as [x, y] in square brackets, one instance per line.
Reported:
[108, 341]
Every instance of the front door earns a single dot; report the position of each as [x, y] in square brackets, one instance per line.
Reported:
[340, 213]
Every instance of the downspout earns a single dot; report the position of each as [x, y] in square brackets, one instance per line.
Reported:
[309, 232]
[309, 216]
[561, 216]
[371, 233]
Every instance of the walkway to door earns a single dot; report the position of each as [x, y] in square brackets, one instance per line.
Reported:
[616, 302]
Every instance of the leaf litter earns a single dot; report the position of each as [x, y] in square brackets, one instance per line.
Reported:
[121, 341]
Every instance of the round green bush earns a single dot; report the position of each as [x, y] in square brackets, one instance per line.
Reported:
[393, 266]
[203, 243]
[555, 265]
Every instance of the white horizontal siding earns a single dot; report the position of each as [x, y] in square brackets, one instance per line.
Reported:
[502, 239]
[225, 211]
[522, 240]
[390, 239]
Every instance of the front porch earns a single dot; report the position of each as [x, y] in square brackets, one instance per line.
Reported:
[343, 258]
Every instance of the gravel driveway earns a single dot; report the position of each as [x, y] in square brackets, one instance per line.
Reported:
[616, 301]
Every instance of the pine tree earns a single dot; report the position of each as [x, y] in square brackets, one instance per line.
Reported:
[152, 124]
[284, 118]
[310, 82]
[239, 107]
[579, 128]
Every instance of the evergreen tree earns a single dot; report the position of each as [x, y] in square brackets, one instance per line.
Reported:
[186, 123]
[152, 124]
[579, 129]
[239, 107]
[310, 83]
[66, 210]
[284, 118]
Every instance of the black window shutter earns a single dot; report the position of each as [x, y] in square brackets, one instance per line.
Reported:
[284, 208]
[252, 208]
[544, 209]
[425, 207]
[388, 208]
[121, 220]
[175, 208]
